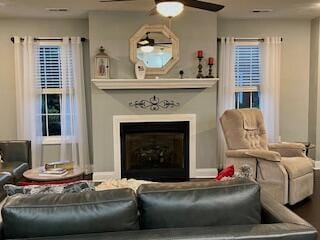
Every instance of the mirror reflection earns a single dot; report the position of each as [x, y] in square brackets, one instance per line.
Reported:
[154, 49]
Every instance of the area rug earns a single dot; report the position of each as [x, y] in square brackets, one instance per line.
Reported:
[121, 183]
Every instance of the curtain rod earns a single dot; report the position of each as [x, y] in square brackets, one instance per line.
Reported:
[248, 39]
[46, 39]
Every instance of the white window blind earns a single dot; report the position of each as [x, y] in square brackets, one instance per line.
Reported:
[247, 65]
[49, 74]
[49, 66]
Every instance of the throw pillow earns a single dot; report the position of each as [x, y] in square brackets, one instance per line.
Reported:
[245, 171]
[81, 186]
[121, 183]
[227, 172]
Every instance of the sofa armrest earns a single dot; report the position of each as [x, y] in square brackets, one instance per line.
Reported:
[16, 151]
[288, 149]
[254, 153]
[274, 212]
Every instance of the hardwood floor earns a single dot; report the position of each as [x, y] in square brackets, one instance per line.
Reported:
[309, 209]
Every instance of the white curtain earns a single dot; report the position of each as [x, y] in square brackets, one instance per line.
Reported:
[74, 132]
[226, 88]
[28, 97]
[270, 87]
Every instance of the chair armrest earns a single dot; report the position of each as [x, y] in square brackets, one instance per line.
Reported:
[265, 155]
[240, 153]
[288, 149]
[254, 153]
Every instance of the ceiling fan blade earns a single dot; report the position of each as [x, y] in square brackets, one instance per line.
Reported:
[162, 46]
[202, 5]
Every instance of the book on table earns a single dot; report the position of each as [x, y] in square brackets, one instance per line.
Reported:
[55, 172]
[52, 175]
[54, 165]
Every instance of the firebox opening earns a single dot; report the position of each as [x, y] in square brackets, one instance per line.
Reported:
[156, 151]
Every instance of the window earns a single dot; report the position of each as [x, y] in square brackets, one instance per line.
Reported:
[49, 70]
[247, 75]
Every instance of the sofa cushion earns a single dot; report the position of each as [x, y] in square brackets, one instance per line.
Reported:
[44, 215]
[297, 166]
[199, 204]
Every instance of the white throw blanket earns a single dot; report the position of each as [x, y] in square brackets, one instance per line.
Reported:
[121, 183]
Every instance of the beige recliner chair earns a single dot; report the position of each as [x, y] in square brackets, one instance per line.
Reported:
[282, 169]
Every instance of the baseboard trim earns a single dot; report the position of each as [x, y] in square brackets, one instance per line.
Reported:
[316, 165]
[199, 173]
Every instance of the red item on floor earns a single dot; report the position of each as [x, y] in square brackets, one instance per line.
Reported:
[227, 172]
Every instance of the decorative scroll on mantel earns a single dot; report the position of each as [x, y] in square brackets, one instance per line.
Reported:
[154, 104]
[161, 83]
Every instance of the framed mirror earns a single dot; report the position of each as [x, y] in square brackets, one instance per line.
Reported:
[157, 46]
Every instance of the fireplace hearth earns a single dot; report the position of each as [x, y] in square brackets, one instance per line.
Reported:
[157, 151]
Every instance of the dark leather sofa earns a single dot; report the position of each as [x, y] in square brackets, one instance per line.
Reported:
[204, 210]
[16, 158]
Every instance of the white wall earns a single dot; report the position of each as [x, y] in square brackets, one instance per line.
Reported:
[196, 30]
[314, 88]
[294, 95]
[30, 27]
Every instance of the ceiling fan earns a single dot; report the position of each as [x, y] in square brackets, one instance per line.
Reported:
[172, 8]
[150, 41]
[147, 44]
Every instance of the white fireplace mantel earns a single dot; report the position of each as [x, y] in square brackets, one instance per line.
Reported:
[161, 83]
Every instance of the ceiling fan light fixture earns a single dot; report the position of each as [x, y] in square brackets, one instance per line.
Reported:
[144, 42]
[147, 49]
[170, 8]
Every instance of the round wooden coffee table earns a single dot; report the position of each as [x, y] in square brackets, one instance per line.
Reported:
[33, 175]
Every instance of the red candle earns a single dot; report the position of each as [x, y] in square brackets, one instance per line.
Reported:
[210, 61]
[200, 53]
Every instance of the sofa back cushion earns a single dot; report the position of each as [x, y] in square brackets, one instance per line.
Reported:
[44, 215]
[199, 204]
[16, 151]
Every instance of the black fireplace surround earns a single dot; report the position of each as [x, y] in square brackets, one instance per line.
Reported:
[157, 151]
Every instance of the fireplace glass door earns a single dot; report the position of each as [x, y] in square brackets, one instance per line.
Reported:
[156, 151]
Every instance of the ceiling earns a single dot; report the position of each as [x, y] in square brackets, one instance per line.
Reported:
[234, 8]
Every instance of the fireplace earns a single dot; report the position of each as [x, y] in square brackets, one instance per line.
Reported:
[157, 151]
